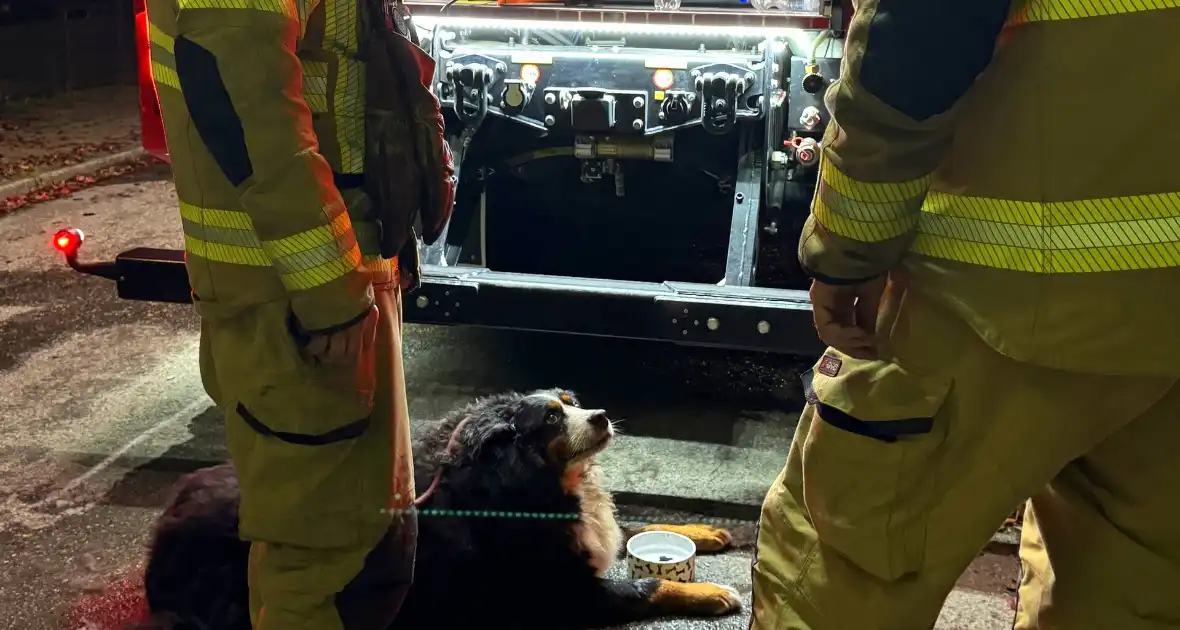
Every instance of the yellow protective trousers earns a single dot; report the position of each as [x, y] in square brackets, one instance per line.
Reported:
[902, 469]
[324, 462]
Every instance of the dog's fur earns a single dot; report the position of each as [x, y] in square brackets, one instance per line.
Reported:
[514, 452]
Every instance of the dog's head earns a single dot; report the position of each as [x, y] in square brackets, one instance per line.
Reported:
[549, 427]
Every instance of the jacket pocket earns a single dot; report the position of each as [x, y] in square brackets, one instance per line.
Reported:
[867, 458]
[297, 432]
[262, 370]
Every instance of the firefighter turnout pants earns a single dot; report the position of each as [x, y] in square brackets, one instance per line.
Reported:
[902, 470]
[324, 463]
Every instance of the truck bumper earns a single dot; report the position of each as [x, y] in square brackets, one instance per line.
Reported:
[738, 317]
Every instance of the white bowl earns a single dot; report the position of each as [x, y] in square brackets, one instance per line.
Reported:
[663, 555]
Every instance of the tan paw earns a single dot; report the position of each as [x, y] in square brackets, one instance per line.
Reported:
[707, 539]
[696, 598]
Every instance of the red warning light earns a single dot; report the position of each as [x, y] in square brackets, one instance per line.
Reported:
[663, 78]
[68, 241]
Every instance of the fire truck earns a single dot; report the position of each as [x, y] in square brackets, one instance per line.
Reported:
[622, 171]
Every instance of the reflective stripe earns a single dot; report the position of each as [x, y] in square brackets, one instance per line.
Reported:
[867, 211]
[165, 76]
[340, 36]
[228, 236]
[1115, 234]
[318, 255]
[1049, 10]
[160, 38]
[284, 7]
[315, 86]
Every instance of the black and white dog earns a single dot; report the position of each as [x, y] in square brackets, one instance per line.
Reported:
[510, 452]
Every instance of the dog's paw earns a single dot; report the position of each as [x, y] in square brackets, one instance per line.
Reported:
[696, 598]
[707, 539]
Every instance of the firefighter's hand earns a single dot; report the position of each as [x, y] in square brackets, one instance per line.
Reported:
[846, 315]
[347, 345]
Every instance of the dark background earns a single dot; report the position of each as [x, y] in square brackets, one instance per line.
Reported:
[53, 46]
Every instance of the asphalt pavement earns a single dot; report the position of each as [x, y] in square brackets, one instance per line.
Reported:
[101, 409]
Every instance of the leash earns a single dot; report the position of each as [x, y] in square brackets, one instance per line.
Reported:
[451, 443]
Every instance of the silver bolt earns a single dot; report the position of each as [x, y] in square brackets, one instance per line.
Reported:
[713, 323]
[422, 301]
[550, 98]
[637, 124]
[674, 321]
[763, 327]
[550, 120]
[638, 102]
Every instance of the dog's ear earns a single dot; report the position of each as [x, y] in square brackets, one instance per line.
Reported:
[490, 434]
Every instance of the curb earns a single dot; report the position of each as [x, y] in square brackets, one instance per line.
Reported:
[31, 183]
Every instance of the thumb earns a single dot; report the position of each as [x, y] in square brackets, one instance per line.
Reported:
[868, 305]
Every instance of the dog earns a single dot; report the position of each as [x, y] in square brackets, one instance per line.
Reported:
[517, 452]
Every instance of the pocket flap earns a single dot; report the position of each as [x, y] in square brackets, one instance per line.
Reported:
[874, 398]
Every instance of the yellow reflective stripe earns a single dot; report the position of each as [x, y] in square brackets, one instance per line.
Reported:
[304, 260]
[838, 221]
[229, 219]
[340, 35]
[1114, 234]
[875, 192]
[160, 38]
[318, 255]
[315, 86]
[220, 252]
[867, 211]
[1111, 209]
[330, 270]
[1050, 10]
[165, 76]
[284, 7]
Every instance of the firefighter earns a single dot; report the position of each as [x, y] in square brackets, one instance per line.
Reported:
[263, 104]
[995, 252]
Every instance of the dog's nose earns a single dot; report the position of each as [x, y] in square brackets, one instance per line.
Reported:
[598, 420]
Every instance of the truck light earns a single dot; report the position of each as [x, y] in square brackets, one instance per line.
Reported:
[530, 73]
[663, 78]
[68, 241]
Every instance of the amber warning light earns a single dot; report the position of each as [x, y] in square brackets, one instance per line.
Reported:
[68, 241]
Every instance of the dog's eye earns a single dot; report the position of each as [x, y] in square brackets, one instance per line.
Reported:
[553, 416]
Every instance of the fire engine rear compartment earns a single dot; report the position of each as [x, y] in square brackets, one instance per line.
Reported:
[646, 222]
[635, 181]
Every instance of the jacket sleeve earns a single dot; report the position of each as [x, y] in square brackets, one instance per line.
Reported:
[906, 64]
[236, 63]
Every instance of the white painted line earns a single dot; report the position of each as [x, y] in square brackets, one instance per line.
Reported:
[184, 414]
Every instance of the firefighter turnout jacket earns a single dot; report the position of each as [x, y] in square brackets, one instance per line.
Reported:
[269, 168]
[1033, 192]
